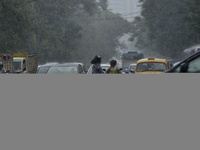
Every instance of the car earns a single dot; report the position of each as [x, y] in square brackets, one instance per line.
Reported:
[189, 65]
[151, 66]
[67, 68]
[104, 67]
[131, 68]
[176, 63]
[42, 69]
[120, 68]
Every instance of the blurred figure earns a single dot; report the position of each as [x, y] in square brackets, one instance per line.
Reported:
[2, 70]
[113, 69]
[96, 68]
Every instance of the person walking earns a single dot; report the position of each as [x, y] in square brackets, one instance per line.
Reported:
[2, 69]
[113, 69]
[96, 68]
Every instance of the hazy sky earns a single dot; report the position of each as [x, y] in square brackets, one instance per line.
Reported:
[127, 8]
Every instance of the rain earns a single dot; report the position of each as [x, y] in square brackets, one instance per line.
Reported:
[77, 30]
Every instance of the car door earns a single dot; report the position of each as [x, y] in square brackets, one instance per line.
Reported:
[189, 66]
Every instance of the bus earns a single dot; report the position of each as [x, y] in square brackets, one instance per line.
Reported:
[130, 57]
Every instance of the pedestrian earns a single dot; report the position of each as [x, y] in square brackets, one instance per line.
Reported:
[2, 69]
[96, 68]
[113, 69]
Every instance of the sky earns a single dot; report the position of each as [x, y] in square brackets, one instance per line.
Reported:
[127, 8]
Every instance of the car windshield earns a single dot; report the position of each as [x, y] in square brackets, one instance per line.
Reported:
[17, 65]
[43, 69]
[151, 67]
[63, 70]
[132, 67]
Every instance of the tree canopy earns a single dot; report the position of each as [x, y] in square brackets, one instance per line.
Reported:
[61, 30]
[166, 26]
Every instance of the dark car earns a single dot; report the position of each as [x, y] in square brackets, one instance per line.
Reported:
[67, 68]
[189, 65]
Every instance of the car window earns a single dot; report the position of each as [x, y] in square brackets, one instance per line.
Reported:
[81, 68]
[194, 66]
[43, 69]
[151, 67]
[84, 68]
[177, 69]
[17, 65]
[63, 70]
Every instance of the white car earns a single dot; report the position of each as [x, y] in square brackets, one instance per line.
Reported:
[104, 67]
[42, 69]
[132, 68]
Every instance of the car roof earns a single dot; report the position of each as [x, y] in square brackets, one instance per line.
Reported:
[193, 55]
[152, 60]
[48, 65]
[68, 64]
[189, 57]
[51, 63]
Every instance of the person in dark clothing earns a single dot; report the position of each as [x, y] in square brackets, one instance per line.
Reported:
[113, 69]
[2, 70]
[96, 68]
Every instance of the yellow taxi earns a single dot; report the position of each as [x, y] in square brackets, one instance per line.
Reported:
[152, 66]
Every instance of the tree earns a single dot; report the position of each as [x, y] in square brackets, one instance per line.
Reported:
[14, 25]
[163, 27]
[61, 30]
[103, 4]
[100, 35]
[194, 19]
[55, 33]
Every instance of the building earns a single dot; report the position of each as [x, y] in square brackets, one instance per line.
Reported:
[126, 8]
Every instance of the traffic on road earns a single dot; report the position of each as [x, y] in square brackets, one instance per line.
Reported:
[132, 62]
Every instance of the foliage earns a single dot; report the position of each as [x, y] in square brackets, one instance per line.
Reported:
[61, 30]
[165, 26]
[14, 24]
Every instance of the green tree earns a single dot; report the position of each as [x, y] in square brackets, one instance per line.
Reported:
[163, 27]
[14, 25]
[100, 35]
[55, 34]
[60, 30]
[194, 19]
[103, 4]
